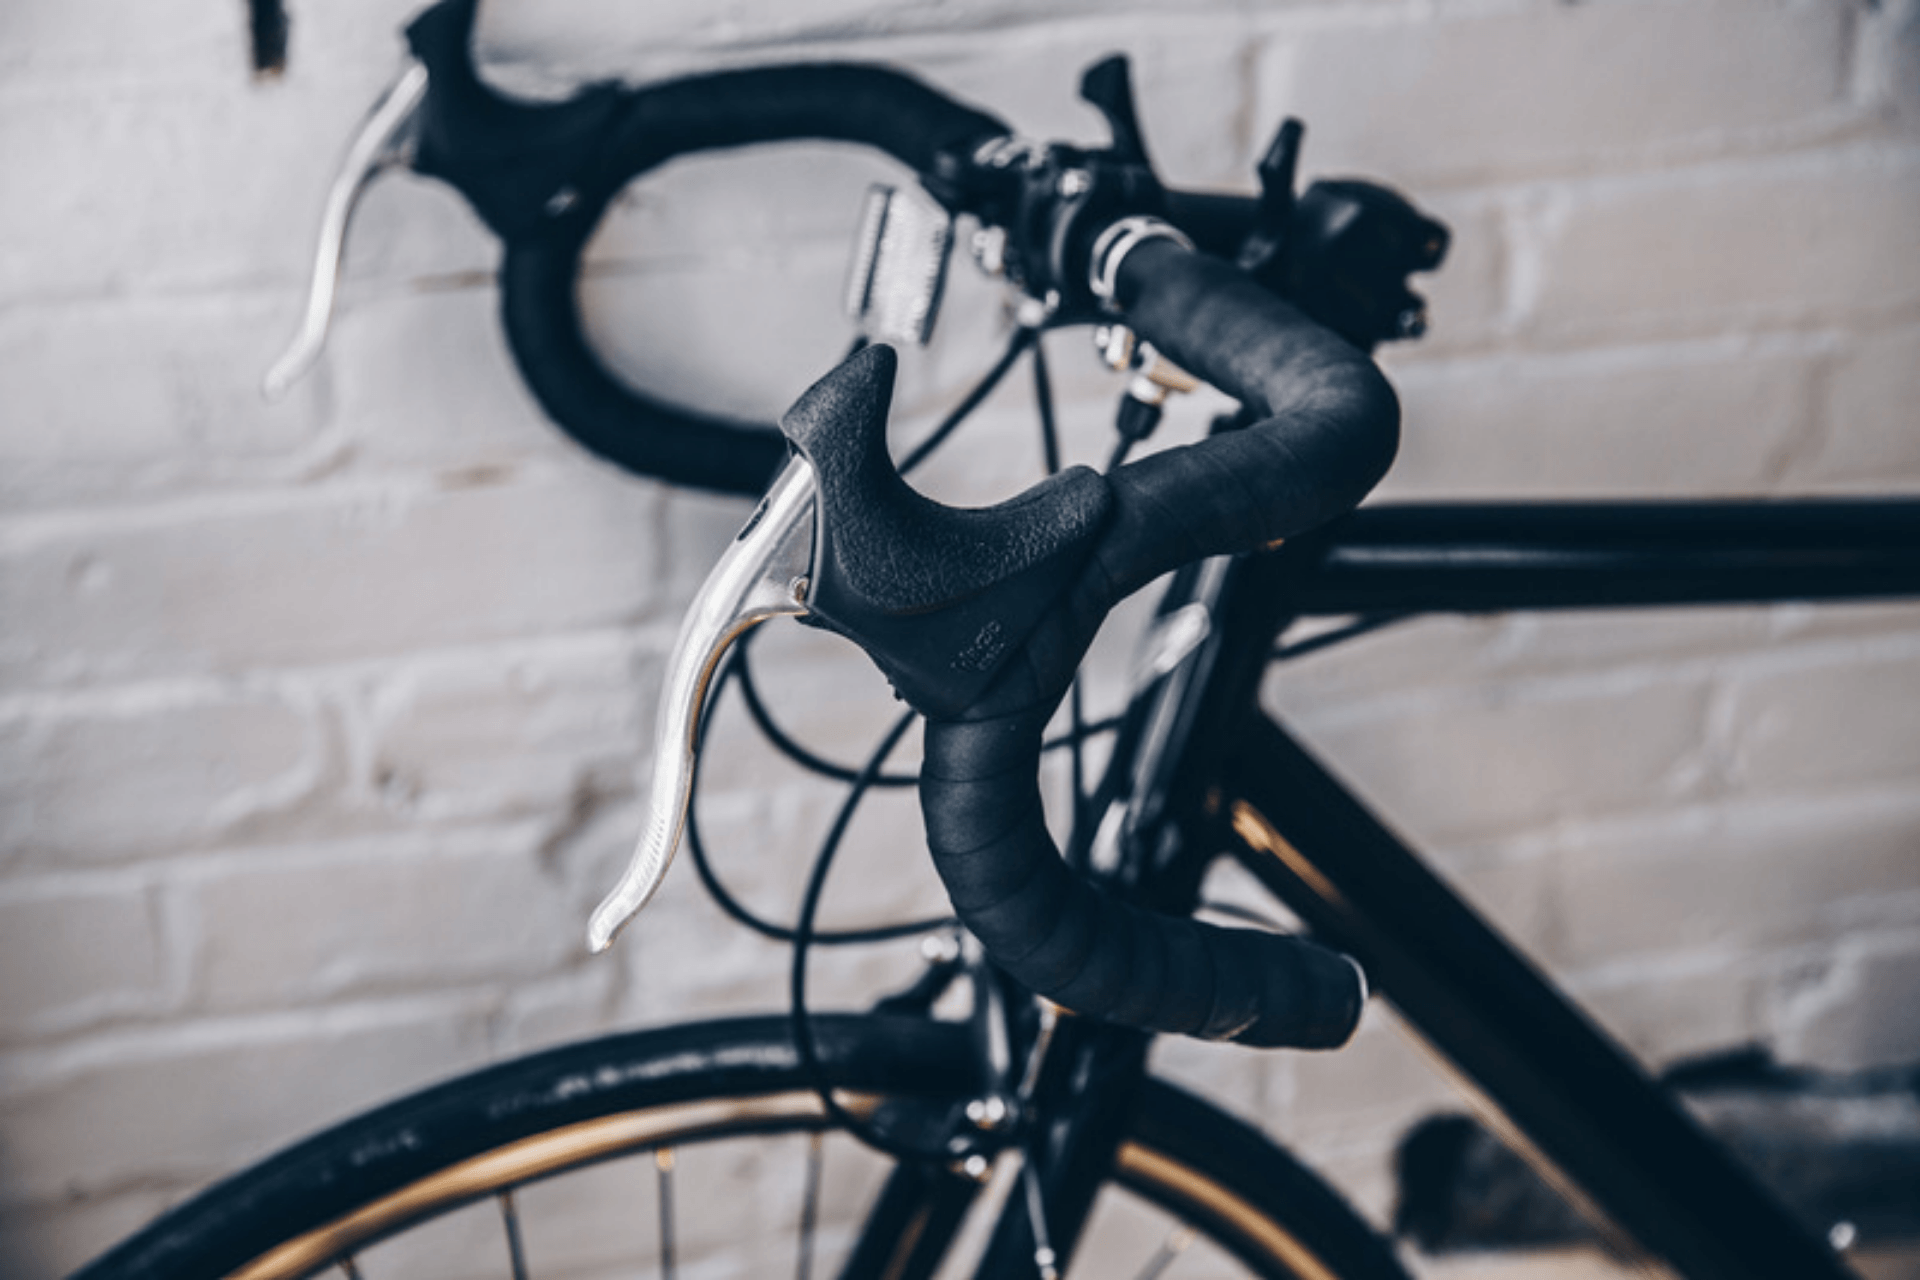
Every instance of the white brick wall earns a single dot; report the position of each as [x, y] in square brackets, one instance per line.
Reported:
[320, 722]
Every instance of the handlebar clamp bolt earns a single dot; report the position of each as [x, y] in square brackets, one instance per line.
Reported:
[1033, 313]
[1075, 182]
[989, 246]
[1115, 345]
[989, 1113]
[940, 948]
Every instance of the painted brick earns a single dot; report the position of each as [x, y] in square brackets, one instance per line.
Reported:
[681, 958]
[1504, 757]
[1254, 1087]
[1598, 640]
[1741, 877]
[1379, 1083]
[1702, 250]
[744, 331]
[805, 194]
[880, 873]
[46, 1242]
[1532, 1264]
[1192, 77]
[86, 1123]
[144, 775]
[285, 928]
[1844, 724]
[135, 395]
[407, 230]
[1848, 1014]
[1555, 88]
[1811, 622]
[328, 576]
[553, 1011]
[1467, 302]
[1428, 651]
[1867, 441]
[1510, 886]
[1888, 73]
[821, 690]
[1452, 651]
[487, 734]
[52, 43]
[232, 189]
[72, 954]
[1670, 1010]
[736, 336]
[595, 39]
[94, 45]
[1362, 1172]
[1370, 672]
[422, 379]
[586, 39]
[1711, 421]
[353, 37]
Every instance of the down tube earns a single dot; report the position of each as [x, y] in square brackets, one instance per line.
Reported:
[1575, 1093]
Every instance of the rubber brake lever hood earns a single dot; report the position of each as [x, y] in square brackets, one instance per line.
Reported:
[517, 162]
[938, 596]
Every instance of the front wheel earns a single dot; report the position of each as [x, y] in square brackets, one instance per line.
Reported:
[702, 1149]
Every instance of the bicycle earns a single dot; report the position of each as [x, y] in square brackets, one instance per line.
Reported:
[1067, 1097]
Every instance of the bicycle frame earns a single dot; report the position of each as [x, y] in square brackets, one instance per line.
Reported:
[1227, 776]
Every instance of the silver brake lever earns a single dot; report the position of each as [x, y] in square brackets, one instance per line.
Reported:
[764, 574]
[384, 141]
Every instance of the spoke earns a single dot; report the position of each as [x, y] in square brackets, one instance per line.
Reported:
[810, 1207]
[798, 1016]
[1043, 406]
[1170, 1248]
[515, 1252]
[1044, 1259]
[663, 1164]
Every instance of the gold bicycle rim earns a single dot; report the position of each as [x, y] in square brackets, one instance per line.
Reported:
[559, 1150]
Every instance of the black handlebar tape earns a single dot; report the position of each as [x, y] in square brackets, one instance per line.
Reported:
[1328, 431]
[873, 106]
[626, 427]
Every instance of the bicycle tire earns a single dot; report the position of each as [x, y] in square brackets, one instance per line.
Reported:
[390, 1170]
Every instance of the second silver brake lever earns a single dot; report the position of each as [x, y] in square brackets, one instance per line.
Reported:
[385, 140]
[764, 574]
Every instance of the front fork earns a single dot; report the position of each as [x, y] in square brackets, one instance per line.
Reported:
[1148, 840]
[1060, 1090]
[1054, 1150]
[1084, 1097]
